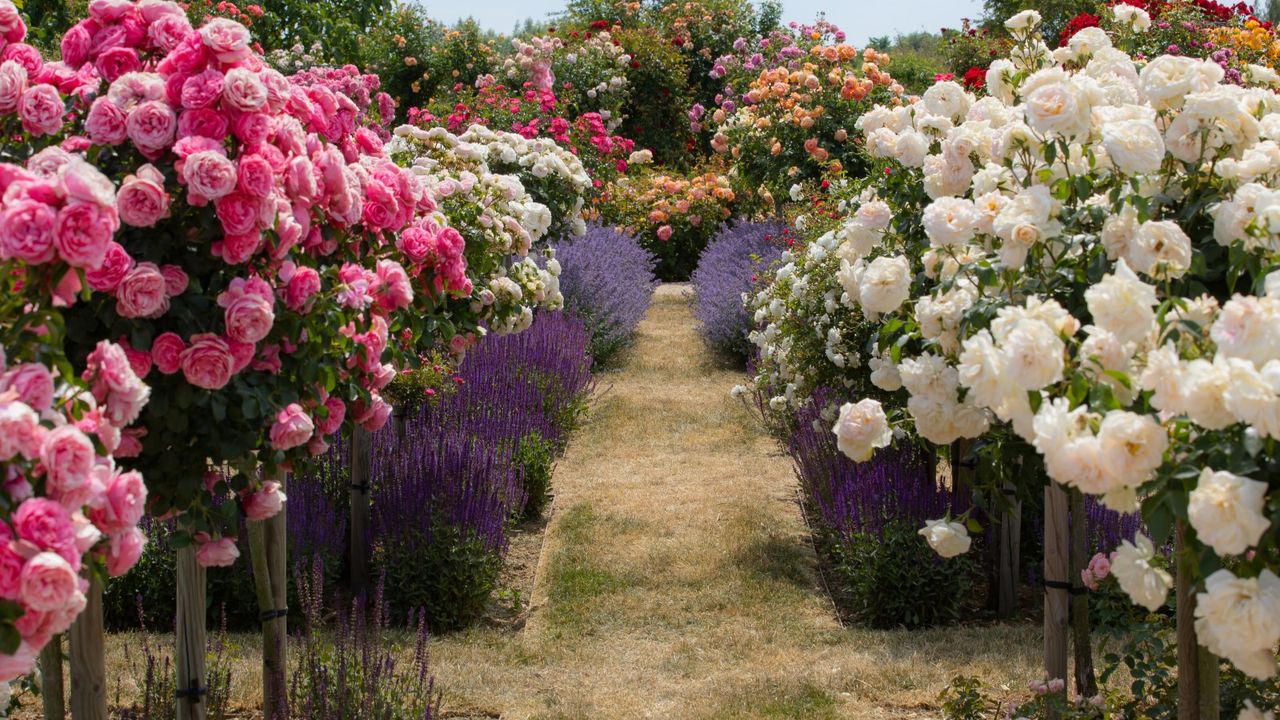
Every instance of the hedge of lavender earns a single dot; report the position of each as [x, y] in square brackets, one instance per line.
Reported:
[883, 573]
[444, 497]
[607, 281]
[726, 270]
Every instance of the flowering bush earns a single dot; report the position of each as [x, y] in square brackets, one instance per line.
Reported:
[607, 282]
[1080, 261]
[727, 270]
[672, 215]
[795, 121]
[586, 69]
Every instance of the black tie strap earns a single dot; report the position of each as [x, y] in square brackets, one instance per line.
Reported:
[268, 615]
[1059, 585]
[361, 488]
[193, 693]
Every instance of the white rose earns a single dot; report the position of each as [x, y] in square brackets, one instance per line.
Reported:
[861, 428]
[1054, 104]
[1251, 712]
[950, 221]
[1123, 304]
[1226, 511]
[1135, 146]
[1033, 355]
[1025, 20]
[1133, 17]
[1088, 41]
[1168, 79]
[947, 538]
[884, 374]
[1239, 619]
[1203, 393]
[982, 369]
[1253, 395]
[1249, 328]
[910, 148]
[1133, 446]
[1160, 249]
[1144, 583]
[885, 285]
[999, 80]
[1164, 376]
[948, 99]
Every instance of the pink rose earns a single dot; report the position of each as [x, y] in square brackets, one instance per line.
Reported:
[202, 122]
[243, 91]
[249, 318]
[116, 384]
[168, 31]
[240, 214]
[238, 249]
[87, 535]
[142, 293]
[10, 568]
[166, 351]
[152, 127]
[416, 242]
[142, 200]
[41, 110]
[20, 431]
[75, 44]
[139, 361]
[105, 123]
[27, 231]
[241, 354]
[216, 553]
[392, 288]
[13, 83]
[228, 40]
[1100, 566]
[20, 663]
[12, 28]
[256, 176]
[130, 445]
[664, 233]
[86, 183]
[209, 174]
[67, 291]
[116, 264]
[116, 62]
[175, 280]
[32, 383]
[300, 179]
[122, 505]
[188, 56]
[48, 582]
[265, 503]
[124, 551]
[131, 90]
[68, 456]
[304, 283]
[81, 235]
[372, 416]
[109, 11]
[207, 363]
[317, 446]
[25, 55]
[253, 128]
[46, 525]
[292, 428]
[202, 89]
[333, 422]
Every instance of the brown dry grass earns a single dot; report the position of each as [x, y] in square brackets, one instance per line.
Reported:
[677, 579]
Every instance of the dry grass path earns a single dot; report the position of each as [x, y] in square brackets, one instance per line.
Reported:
[676, 579]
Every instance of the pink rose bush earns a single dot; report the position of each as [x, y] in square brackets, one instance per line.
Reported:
[254, 239]
[1077, 266]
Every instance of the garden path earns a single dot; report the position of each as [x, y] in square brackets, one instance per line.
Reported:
[677, 580]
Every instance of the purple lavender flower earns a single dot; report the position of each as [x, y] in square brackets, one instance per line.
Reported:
[726, 270]
[608, 282]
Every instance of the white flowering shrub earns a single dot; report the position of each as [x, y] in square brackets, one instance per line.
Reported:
[1084, 260]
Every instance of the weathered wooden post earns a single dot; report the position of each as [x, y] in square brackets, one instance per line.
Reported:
[268, 546]
[52, 690]
[190, 636]
[88, 659]
[1197, 667]
[1010, 558]
[361, 459]
[1082, 643]
[1057, 585]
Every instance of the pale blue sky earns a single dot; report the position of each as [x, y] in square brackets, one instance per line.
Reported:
[861, 19]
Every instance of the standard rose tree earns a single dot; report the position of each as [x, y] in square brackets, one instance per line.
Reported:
[1080, 263]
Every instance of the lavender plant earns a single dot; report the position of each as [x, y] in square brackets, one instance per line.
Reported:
[726, 270]
[607, 281]
[352, 668]
[150, 671]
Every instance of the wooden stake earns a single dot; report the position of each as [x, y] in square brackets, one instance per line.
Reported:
[1055, 571]
[361, 459]
[1082, 643]
[1193, 661]
[88, 659]
[1010, 553]
[190, 638]
[52, 691]
[269, 552]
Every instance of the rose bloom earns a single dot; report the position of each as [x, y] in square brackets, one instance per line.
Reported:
[152, 127]
[1146, 584]
[27, 231]
[885, 285]
[1239, 619]
[124, 551]
[249, 318]
[265, 503]
[81, 234]
[19, 431]
[175, 280]
[47, 525]
[116, 263]
[48, 582]
[1122, 304]
[32, 382]
[1226, 511]
[142, 293]
[68, 456]
[303, 284]
[207, 363]
[166, 352]
[209, 174]
[947, 538]
[13, 83]
[41, 110]
[861, 428]
[216, 553]
[122, 505]
[293, 427]
[142, 200]
[227, 39]
[337, 412]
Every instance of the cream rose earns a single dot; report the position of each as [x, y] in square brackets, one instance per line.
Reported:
[947, 538]
[1226, 511]
[861, 429]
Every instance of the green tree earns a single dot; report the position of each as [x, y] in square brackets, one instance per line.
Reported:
[1056, 13]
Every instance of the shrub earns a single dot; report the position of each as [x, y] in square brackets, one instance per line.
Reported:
[870, 514]
[537, 461]
[726, 270]
[607, 281]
